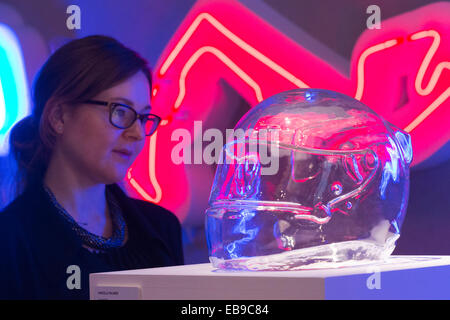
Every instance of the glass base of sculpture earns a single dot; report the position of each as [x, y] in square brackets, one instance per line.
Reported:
[334, 255]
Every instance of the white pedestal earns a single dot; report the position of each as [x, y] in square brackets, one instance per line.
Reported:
[400, 277]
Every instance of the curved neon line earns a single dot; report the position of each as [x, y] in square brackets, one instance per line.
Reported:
[433, 79]
[433, 106]
[419, 78]
[238, 41]
[152, 175]
[230, 64]
[362, 60]
[227, 61]
[426, 62]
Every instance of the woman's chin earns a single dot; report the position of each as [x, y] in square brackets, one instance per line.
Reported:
[115, 175]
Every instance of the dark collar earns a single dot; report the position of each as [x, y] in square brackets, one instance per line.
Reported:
[131, 211]
[57, 246]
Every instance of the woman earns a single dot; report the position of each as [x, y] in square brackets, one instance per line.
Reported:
[90, 119]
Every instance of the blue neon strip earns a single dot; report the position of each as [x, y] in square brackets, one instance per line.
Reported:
[14, 101]
[10, 93]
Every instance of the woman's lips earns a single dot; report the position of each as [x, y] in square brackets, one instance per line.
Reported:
[124, 154]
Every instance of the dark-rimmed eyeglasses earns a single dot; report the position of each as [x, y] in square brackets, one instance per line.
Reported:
[122, 116]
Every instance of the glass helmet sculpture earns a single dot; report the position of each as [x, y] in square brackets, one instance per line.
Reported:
[309, 178]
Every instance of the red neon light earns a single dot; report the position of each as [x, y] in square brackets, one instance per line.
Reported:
[152, 175]
[211, 44]
[362, 60]
[235, 39]
[223, 58]
[436, 75]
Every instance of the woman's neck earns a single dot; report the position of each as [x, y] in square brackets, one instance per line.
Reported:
[82, 198]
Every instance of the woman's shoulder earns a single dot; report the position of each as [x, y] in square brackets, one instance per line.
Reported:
[9, 222]
[155, 221]
[21, 207]
[13, 236]
[154, 211]
[18, 225]
[163, 221]
[14, 211]
[148, 210]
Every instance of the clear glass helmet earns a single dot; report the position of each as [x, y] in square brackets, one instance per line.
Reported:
[309, 178]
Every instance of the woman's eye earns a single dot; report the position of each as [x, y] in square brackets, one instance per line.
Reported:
[120, 112]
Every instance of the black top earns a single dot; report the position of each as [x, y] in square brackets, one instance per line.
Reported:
[37, 245]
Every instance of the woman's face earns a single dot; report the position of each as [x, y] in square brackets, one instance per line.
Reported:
[93, 146]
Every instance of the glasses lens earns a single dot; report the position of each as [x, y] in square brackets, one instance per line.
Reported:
[151, 124]
[122, 116]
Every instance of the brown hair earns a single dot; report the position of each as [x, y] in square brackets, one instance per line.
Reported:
[77, 71]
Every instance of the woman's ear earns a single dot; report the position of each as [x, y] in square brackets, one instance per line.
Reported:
[56, 116]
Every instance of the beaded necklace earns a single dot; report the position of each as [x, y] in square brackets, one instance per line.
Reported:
[92, 240]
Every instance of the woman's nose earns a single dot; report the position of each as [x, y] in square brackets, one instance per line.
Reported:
[136, 131]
